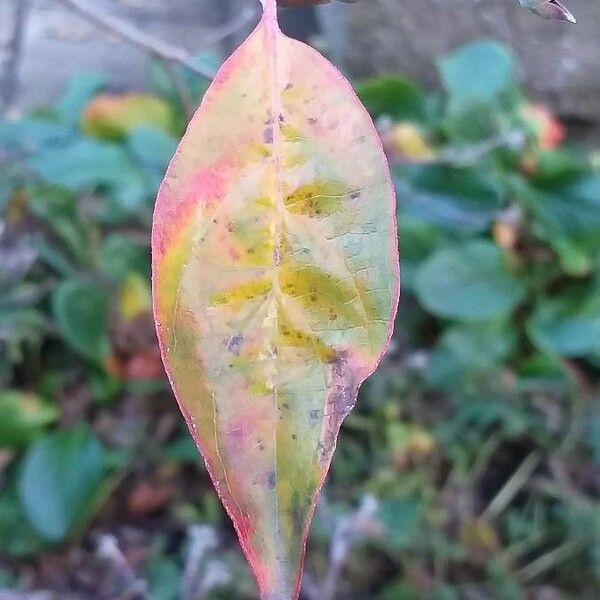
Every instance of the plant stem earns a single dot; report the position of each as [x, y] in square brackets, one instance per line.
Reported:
[149, 44]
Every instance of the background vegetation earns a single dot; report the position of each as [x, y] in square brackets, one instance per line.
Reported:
[470, 468]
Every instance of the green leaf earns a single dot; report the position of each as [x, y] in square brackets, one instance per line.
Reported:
[470, 349]
[81, 312]
[470, 282]
[477, 73]
[112, 117]
[400, 518]
[91, 164]
[57, 207]
[559, 167]
[152, 150]
[419, 239]
[60, 477]
[392, 96]
[82, 88]
[464, 200]
[567, 326]
[33, 135]
[23, 417]
[17, 537]
[572, 211]
[120, 255]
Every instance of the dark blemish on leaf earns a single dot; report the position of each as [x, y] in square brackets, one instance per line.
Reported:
[312, 120]
[286, 406]
[261, 445]
[297, 513]
[354, 195]
[294, 436]
[314, 415]
[271, 480]
[235, 344]
[313, 298]
[215, 221]
[268, 135]
[289, 86]
[281, 119]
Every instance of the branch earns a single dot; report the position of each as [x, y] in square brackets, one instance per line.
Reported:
[149, 44]
[8, 83]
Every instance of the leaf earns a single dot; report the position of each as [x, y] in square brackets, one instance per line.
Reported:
[22, 418]
[120, 255]
[572, 211]
[152, 150]
[61, 475]
[81, 90]
[81, 312]
[477, 73]
[33, 135]
[549, 9]
[392, 96]
[134, 297]
[89, 163]
[275, 283]
[57, 207]
[17, 536]
[399, 518]
[465, 200]
[469, 282]
[567, 326]
[470, 349]
[112, 117]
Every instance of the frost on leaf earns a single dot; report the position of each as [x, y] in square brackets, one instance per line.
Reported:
[275, 280]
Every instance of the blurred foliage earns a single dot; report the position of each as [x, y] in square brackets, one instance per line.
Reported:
[479, 436]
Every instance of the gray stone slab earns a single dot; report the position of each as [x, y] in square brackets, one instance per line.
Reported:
[59, 44]
[559, 62]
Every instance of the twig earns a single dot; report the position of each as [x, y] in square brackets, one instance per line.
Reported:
[183, 91]
[549, 560]
[348, 530]
[8, 595]
[510, 489]
[202, 574]
[457, 156]
[108, 550]
[157, 48]
[8, 85]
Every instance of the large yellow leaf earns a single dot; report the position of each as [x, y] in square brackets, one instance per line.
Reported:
[275, 284]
